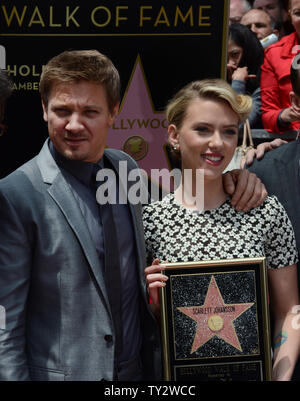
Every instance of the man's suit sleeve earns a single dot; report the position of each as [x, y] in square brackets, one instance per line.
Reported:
[260, 169]
[15, 266]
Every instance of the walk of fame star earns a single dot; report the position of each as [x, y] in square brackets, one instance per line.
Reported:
[215, 318]
[139, 129]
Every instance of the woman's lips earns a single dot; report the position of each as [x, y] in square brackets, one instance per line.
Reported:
[214, 159]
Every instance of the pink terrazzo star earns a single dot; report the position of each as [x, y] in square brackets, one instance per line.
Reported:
[215, 318]
[138, 129]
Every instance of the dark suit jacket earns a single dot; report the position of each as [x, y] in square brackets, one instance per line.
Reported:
[51, 284]
[279, 170]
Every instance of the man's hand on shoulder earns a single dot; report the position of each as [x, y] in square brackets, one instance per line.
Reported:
[246, 189]
[261, 149]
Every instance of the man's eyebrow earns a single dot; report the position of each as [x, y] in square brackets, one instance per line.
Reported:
[92, 106]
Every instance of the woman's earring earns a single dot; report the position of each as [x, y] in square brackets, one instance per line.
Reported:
[175, 148]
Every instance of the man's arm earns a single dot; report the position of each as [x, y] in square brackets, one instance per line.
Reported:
[261, 149]
[246, 189]
[15, 266]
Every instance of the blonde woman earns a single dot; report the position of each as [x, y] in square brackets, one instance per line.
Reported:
[203, 130]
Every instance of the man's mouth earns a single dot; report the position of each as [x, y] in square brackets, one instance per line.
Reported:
[75, 139]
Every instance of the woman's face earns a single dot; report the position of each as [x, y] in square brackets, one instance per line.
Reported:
[234, 57]
[208, 136]
[295, 15]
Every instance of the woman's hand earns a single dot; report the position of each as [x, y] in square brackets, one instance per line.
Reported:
[241, 74]
[155, 280]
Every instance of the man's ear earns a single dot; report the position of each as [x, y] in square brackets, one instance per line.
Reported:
[113, 114]
[295, 101]
[173, 135]
[45, 114]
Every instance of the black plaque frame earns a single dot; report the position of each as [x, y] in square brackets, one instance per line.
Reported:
[241, 283]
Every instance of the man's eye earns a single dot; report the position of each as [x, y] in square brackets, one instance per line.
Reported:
[91, 112]
[61, 111]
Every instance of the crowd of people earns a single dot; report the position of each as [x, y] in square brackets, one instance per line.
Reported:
[76, 273]
[276, 26]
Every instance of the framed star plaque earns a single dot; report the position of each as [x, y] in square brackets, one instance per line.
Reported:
[215, 321]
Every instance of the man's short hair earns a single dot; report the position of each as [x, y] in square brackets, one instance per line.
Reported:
[81, 65]
[246, 5]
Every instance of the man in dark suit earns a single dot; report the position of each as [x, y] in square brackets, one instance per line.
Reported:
[72, 270]
[53, 264]
[279, 170]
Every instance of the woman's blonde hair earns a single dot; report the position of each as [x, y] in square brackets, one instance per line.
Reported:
[213, 89]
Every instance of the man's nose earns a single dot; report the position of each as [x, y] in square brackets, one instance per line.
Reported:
[75, 123]
[254, 29]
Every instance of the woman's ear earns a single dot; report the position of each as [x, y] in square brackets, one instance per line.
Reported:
[173, 135]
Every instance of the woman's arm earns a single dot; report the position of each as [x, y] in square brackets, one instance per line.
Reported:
[283, 290]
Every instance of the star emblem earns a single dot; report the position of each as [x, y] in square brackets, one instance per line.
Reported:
[139, 129]
[215, 318]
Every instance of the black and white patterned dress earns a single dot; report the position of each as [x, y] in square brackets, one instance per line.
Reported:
[176, 234]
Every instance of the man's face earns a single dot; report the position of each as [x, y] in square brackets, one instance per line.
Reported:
[295, 15]
[78, 119]
[259, 22]
[271, 7]
[236, 12]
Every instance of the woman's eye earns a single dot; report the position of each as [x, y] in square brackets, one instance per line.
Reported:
[231, 132]
[202, 129]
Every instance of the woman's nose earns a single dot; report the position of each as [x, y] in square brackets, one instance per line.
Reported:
[216, 141]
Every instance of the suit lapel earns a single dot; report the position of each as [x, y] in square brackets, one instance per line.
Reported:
[62, 194]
